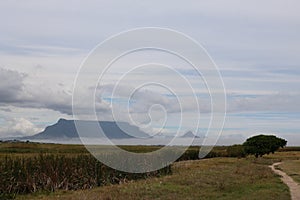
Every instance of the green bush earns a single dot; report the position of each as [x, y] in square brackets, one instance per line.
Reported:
[236, 151]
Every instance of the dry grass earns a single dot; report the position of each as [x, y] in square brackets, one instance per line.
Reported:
[292, 168]
[49, 173]
[217, 178]
[284, 155]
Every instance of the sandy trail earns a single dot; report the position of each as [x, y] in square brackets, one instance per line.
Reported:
[294, 187]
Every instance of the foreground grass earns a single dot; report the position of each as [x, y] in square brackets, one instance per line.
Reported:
[216, 178]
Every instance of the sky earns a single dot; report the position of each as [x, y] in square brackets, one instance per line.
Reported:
[255, 45]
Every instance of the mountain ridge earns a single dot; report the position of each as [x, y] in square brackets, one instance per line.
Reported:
[64, 128]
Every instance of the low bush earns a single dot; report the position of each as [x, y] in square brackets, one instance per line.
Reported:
[236, 151]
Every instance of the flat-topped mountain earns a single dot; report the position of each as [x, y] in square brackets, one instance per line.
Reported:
[67, 129]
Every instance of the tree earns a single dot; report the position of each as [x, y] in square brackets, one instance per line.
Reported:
[263, 144]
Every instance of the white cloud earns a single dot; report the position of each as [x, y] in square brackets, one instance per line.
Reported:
[16, 127]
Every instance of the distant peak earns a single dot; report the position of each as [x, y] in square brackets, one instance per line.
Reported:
[190, 134]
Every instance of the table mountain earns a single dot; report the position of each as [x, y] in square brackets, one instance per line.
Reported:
[67, 129]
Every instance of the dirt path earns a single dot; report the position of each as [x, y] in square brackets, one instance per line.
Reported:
[294, 187]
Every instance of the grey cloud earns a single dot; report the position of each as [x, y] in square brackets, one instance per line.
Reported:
[280, 102]
[6, 109]
[13, 91]
[11, 85]
[220, 26]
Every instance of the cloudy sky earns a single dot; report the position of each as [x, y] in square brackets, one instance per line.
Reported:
[255, 45]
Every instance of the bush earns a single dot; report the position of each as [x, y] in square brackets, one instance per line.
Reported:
[236, 151]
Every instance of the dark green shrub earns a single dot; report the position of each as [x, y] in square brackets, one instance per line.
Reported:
[236, 151]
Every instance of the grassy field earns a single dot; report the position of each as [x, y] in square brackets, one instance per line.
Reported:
[33, 168]
[215, 178]
[212, 178]
[292, 168]
[284, 155]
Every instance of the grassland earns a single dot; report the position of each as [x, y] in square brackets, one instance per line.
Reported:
[292, 168]
[218, 177]
[33, 168]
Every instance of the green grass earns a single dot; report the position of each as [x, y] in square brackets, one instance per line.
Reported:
[34, 149]
[216, 178]
[37, 148]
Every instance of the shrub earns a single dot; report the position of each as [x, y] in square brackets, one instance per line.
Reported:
[236, 151]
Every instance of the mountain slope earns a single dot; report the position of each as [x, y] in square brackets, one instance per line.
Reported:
[67, 129]
[190, 134]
